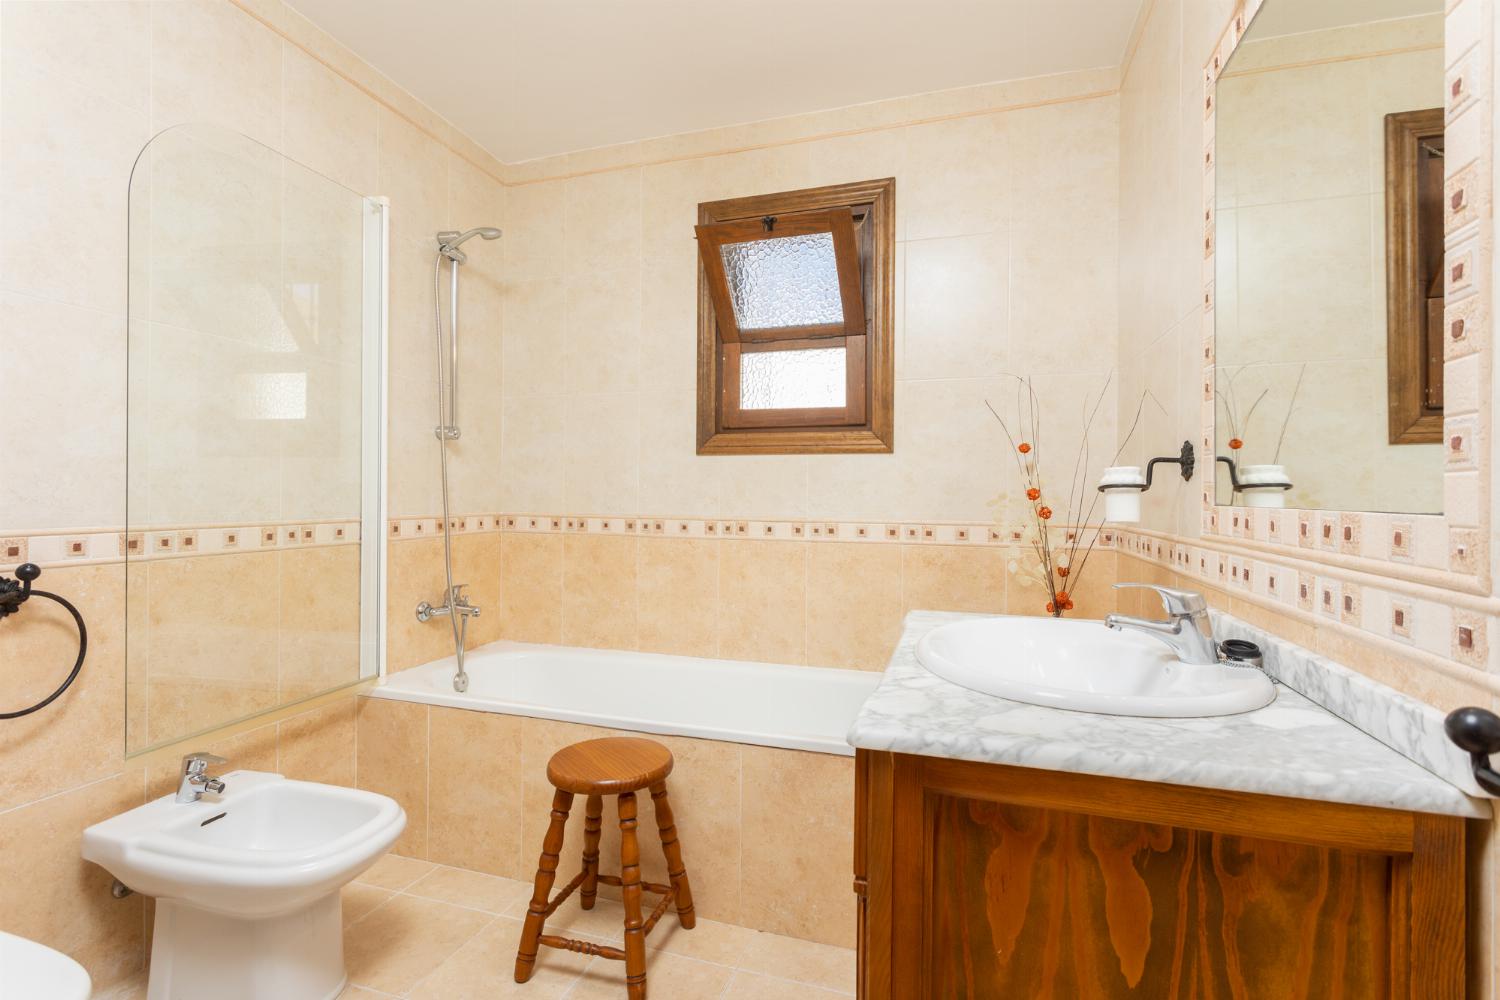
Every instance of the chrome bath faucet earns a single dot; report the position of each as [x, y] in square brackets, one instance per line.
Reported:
[456, 604]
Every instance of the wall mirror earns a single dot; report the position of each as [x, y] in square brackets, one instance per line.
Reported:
[253, 486]
[1328, 244]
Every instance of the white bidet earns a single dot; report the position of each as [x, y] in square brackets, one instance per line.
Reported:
[247, 883]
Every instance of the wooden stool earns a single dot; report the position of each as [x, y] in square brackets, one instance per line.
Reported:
[597, 768]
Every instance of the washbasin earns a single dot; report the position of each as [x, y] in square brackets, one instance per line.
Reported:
[1082, 666]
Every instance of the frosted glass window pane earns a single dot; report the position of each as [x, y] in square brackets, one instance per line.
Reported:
[792, 380]
[781, 282]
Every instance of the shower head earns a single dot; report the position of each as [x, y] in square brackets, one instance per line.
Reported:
[449, 240]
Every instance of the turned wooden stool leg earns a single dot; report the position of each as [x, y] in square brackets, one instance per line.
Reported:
[673, 850]
[536, 914]
[630, 893]
[590, 887]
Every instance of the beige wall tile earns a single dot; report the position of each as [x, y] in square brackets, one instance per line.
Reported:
[392, 760]
[53, 896]
[330, 126]
[679, 596]
[474, 792]
[211, 63]
[853, 604]
[798, 841]
[319, 624]
[320, 745]
[212, 624]
[599, 591]
[476, 562]
[414, 573]
[531, 575]
[762, 595]
[953, 578]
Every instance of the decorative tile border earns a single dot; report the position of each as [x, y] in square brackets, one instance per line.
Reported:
[1430, 624]
[935, 533]
[94, 546]
[1455, 543]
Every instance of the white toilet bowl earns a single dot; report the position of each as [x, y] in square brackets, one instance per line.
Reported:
[247, 883]
[31, 971]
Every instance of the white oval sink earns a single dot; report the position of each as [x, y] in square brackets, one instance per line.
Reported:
[1084, 667]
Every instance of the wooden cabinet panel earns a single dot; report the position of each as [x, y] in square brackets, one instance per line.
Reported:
[989, 882]
[1040, 903]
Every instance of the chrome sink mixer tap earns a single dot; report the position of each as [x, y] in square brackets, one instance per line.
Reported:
[1187, 628]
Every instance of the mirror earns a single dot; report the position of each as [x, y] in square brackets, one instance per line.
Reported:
[254, 324]
[1328, 287]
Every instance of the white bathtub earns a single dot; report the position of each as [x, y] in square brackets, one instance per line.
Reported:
[767, 704]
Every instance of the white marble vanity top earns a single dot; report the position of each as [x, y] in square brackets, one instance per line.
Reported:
[1292, 747]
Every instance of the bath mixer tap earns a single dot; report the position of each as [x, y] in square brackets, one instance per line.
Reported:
[457, 603]
[1187, 628]
[195, 777]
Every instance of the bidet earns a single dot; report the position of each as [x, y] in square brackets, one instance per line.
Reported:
[247, 881]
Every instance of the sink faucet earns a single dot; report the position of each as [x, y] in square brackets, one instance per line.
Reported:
[1187, 628]
[457, 603]
[195, 777]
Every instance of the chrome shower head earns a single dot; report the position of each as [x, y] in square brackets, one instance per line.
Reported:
[449, 240]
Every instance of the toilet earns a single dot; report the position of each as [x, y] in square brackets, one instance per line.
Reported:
[31, 971]
[247, 883]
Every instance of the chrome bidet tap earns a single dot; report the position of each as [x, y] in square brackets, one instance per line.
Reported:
[195, 777]
[1187, 628]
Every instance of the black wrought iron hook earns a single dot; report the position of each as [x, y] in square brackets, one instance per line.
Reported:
[1477, 731]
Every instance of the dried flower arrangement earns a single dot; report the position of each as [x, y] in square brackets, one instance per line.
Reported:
[1062, 546]
[1237, 423]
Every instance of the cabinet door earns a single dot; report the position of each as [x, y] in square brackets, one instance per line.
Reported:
[1030, 902]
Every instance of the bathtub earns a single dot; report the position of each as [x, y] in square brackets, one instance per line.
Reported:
[764, 704]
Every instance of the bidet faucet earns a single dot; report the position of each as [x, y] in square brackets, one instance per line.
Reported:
[195, 777]
[456, 604]
[1187, 628]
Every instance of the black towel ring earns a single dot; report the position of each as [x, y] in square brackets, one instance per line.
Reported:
[13, 594]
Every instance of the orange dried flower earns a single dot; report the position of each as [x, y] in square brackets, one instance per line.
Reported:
[1062, 571]
[1033, 493]
[1067, 605]
[1045, 513]
[1051, 608]
[1024, 448]
[1062, 597]
[1236, 444]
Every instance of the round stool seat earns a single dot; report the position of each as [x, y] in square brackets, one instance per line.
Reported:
[609, 766]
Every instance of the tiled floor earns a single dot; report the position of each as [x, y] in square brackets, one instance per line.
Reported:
[419, 930]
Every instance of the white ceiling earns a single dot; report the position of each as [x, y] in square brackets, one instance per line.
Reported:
[531, 78]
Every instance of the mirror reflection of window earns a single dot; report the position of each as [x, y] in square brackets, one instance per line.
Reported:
[1328, 254]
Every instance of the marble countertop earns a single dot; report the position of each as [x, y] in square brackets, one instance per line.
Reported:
[1293, 747]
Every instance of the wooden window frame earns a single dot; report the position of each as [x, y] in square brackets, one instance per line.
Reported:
[1411, 364]
[862, 218]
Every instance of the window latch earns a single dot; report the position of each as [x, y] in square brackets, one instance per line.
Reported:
[769, 221]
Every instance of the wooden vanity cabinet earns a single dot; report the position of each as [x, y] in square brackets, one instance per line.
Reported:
[987, 881]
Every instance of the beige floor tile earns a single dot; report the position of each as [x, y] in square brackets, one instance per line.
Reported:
[395, 872]
[605, 922]
[475, 890]
[403, 941]
[709, 941]
[355, 992]
[752, 986]
[359, 899]
[805, 961]
[670, 976]
[484, 969]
